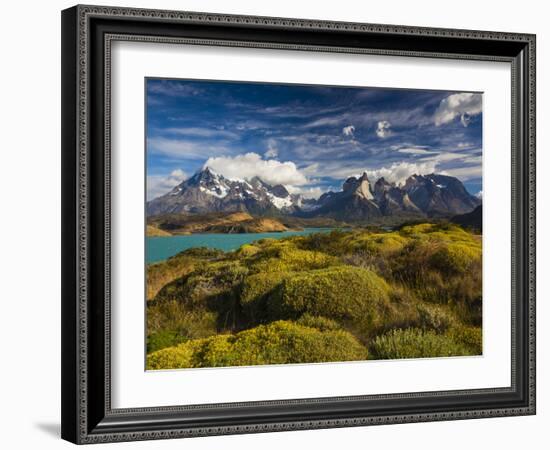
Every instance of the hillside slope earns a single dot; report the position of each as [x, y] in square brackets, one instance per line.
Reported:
[239, 222]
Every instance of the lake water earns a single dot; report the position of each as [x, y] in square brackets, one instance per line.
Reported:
[159, 248]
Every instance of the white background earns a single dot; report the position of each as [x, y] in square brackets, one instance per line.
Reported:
[132, 387]
[30, 234]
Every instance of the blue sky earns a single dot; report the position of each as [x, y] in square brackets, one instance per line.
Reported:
[309, 138]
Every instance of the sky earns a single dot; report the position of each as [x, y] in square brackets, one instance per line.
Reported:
[309, 138]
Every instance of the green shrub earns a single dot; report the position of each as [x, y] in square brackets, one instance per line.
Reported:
[266, 242]
[163, 339]
[201, 253]
[418, 229]
[415, 343]
[360, 258]
[161, 273]
[455, 258]
[248, 250]
[189, 323]
[277, 343]
[434, 317]
[350, 295]
[334, 243]
[339, 242]
[285, 258]
[445, 232]
[412, 263]
[470, 337]
[177, 357]
[404, 309]
[447, 249]
[319, 322]
[378, 243]
[207, 280]
[200, 304]
[443, 273]
[254, 294]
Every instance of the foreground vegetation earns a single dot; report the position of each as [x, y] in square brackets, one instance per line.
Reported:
[340, 296]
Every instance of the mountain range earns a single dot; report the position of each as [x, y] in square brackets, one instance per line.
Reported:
[359, 200]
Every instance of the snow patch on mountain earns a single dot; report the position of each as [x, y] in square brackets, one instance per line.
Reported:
[220, 192]
[278, 202]
[360, 199]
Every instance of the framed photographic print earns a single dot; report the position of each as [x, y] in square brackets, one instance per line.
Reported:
[280, 224]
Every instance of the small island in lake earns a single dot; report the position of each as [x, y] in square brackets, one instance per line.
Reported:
[240, 222]
[153, 231]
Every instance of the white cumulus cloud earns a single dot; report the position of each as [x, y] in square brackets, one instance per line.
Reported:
[464, 173]
[463, 105]
[399, 172]
[249, 165]
[383, 129]
[306, 192]
[271, 153]
[160, 184]
[348, 131]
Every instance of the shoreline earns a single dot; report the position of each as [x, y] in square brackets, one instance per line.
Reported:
[207, 233]
[226, 242]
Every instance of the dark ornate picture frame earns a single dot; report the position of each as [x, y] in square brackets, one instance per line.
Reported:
[87, 35]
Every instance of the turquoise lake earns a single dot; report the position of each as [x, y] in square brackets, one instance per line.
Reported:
[160, 248]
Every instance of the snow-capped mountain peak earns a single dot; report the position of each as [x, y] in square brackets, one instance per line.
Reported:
[423, 195]
[208, 191]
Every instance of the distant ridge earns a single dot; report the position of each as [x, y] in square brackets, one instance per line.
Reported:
[473, 219]
[432, 195]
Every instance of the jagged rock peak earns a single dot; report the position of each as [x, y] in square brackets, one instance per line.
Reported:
[382, 181]
[382, 184]
[204, 175]
[359, 186]
[280, 191]
[349, 184]
[421, 195]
